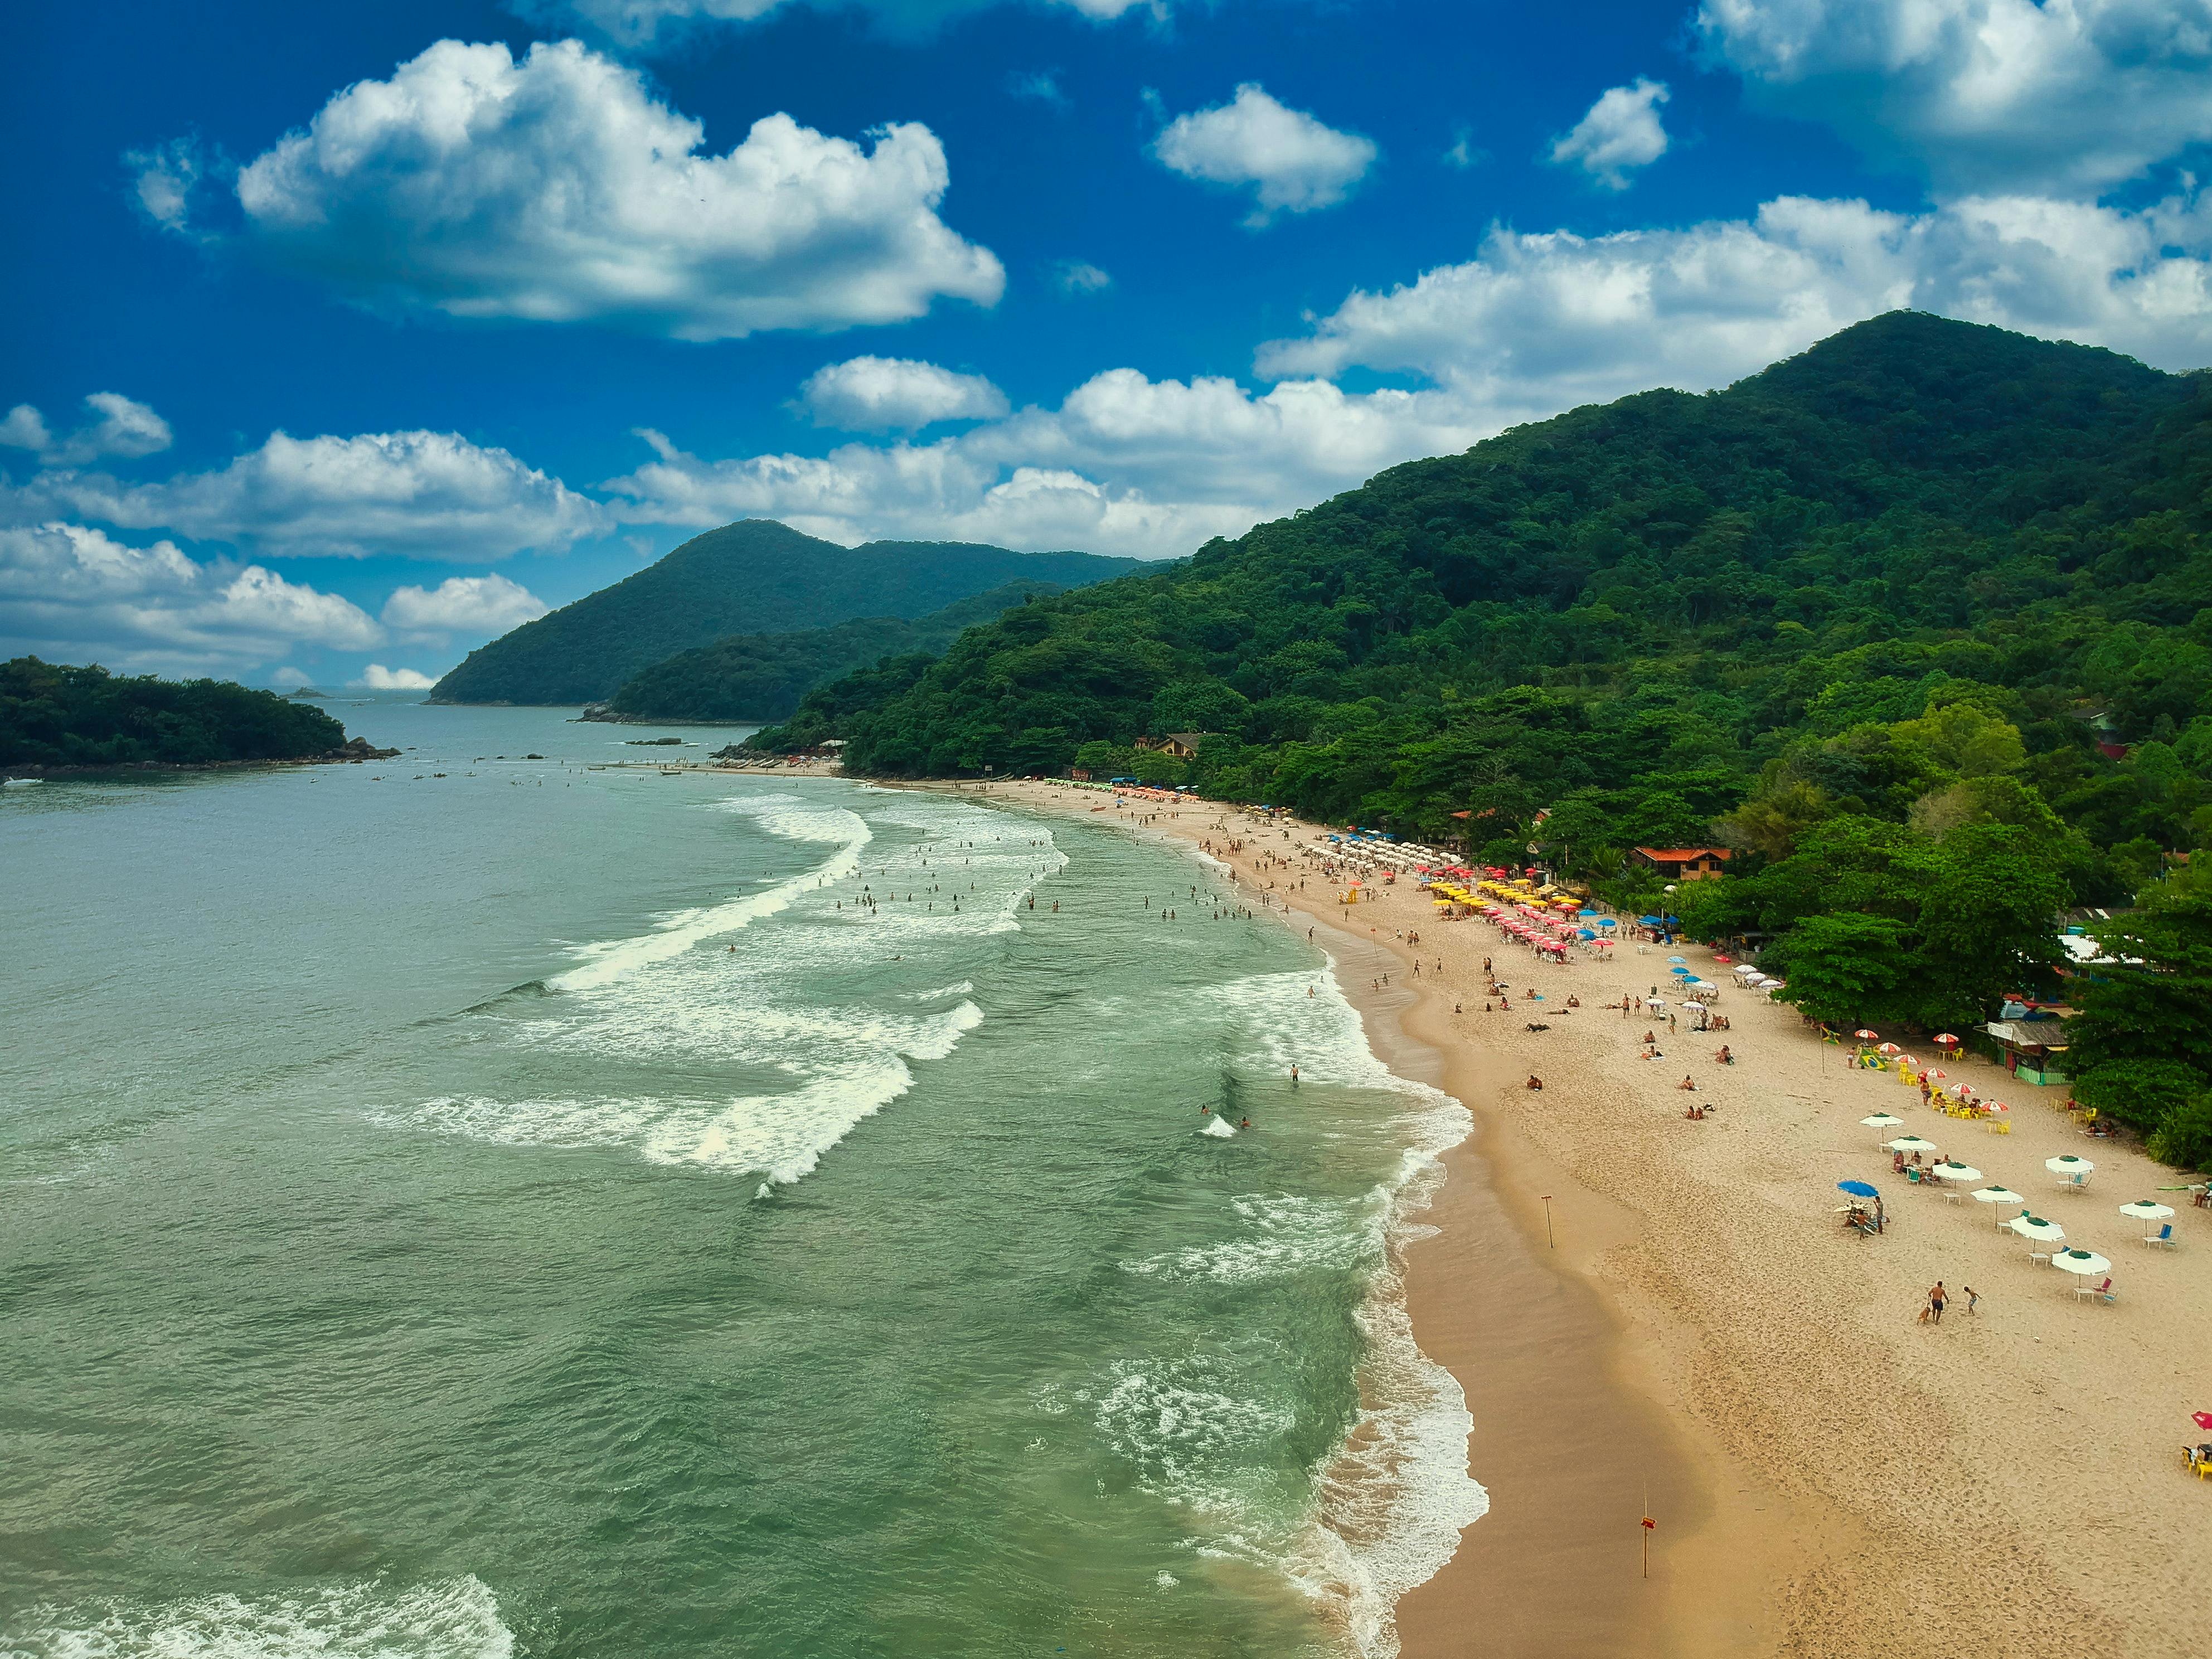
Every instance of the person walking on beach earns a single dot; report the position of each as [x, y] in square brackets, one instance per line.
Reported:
[1972, 1297]
[1935, 1299]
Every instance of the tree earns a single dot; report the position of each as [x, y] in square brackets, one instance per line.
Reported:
[1850, 967]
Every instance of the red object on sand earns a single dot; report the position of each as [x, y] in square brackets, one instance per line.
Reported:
[2203, 1419]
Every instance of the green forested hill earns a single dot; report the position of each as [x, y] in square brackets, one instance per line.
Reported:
[753, 577]
[761, 676]
[53, 714]
[1919, 622]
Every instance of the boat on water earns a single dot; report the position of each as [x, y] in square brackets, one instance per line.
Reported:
[18, 783]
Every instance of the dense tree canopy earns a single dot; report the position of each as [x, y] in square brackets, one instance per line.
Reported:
[1930, 603]
[761, 676]
[55, 715]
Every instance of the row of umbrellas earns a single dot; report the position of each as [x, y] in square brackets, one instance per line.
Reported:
[2028, 1224]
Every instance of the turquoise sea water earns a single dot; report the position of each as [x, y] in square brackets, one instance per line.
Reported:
[423, 1234]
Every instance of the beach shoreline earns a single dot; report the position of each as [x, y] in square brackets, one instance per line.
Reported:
[1570, 1449]
[1686, 1326]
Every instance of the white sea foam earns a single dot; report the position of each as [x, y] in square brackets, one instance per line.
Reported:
[1220, 1128]
[604, 963]
[1179, 1424]
[781, 1136]
[1397, 1494]
[1279, 1235]
[449, 1618]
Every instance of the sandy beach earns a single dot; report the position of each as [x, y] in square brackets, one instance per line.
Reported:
[1685, 1329]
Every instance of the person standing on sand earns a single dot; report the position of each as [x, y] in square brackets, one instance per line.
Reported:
[1935, 1299]
[1972, 1297]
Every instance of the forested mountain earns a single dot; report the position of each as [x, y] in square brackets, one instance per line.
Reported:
[1920, 621]
[761, 676]
[53, 714]
[754, 577]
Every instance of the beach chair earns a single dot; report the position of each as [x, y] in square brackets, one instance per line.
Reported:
[2164, 1236]
[2090, 1292]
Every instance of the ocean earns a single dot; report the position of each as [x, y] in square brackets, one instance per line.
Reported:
[498, 1201]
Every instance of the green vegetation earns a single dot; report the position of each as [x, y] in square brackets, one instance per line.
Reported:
[55, 715]
[2142, 1044]
[754, 577]
[1919, 622]
[761, 676]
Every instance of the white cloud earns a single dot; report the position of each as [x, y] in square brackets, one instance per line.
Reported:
[1125, 464]
[557, 189]
[1297, 163]
[647, 22]
[24, 429]
[1536, 324]
[1620, 134]
[424, 495]
[123, 427]
[886, 394]
[75, 593]
[2064, 95]
[164, 181]
[482, 605]
[1073, 277]
[376, 677]
[289, 676]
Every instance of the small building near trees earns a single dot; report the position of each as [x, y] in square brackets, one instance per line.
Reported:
[1684, 863]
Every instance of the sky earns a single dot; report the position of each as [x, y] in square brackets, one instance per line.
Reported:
[340, 341]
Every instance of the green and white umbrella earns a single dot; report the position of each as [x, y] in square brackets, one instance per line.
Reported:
[2147, 1209]
[2081, 1262]
[1882, 1121]
[1957, 1172]
[2067, 1165]
[2035, 1227]
[1997, 1195]
[1909, 1144]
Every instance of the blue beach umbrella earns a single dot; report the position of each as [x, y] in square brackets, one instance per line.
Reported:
[1606, 922]
[1858, 1188]
[1678, 958]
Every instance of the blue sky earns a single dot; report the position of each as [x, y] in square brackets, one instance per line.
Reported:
[341, 340]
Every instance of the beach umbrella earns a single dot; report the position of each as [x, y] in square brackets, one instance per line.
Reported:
[1956, 1171]
[1606, 922]
[1937, 1074]
[2081, 1262]
[1882, 1121]
[1869, 1036]
[1910, 1144]
[2035, 1227]
[1723, 961]
[1946, 1039]
[1678, 958]
[2147, 1209]
[1888, 1048]
[1906, 1059]
[2067, 1165]
[1997, 1195]
[1859, 1188]
[2203, 1419]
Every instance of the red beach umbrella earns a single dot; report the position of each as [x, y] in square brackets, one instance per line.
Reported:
[1863, 1032]
[1946, 1039]
[2203, 1419]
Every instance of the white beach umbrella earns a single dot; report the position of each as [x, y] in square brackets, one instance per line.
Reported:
[2147, 1209]
[1956, 1172]
[1909, 1144]
[2081, 1262]
[2067, 1165]
[1995, 1194]
[1882, 1121]
[2035, 1227]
